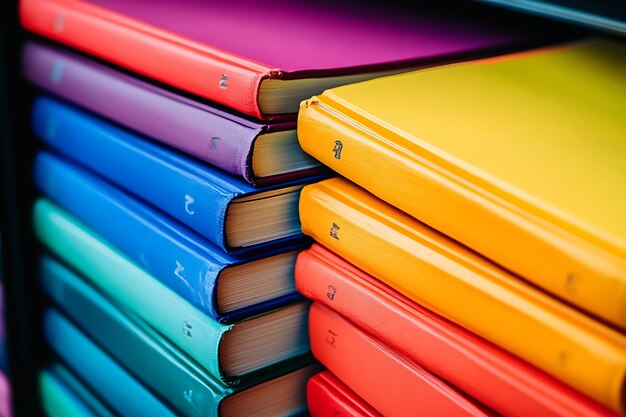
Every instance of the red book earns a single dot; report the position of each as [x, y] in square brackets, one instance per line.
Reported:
[263, 58]
[496, 378]
[389, 382]
[328, 396]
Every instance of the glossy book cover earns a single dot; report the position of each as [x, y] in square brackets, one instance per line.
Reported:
[173, 254]
[451, 280]
[202, 197]
[219, 137]
[495, 377]
[520, 158]
[239, 52]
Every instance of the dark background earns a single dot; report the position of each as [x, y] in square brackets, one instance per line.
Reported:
[18, 248]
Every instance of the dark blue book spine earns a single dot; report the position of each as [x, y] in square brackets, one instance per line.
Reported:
[172, 253]
[118, 388]
[196, 194]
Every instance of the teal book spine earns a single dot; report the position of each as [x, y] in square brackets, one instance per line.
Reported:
[194, 332]
[109, 270]
[143, 351]
[80, 390]
[58, 400]
[124, 394]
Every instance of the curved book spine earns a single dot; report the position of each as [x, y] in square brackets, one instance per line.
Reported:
[166, 57]
[195, 194]
[118, 277]
[402, 388]
[145, 353]
[495, 377]
[328, 396]
[220, 138]
[106, 377]
[549, 251]
[173, 254]
[59, 400]
[451, 280]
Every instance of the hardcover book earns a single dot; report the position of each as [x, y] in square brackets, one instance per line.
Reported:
[104, 376]
[262, 59]
[225, 287]
[503, 382]
[230, 352]
[401, 387]
[327, 395]
[451, 280]
[163, 368]
[261, 153]
[234, 215]
[63, 395]
[520, 158]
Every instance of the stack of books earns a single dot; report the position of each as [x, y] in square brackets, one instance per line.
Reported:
[471, 254]
[170, 176]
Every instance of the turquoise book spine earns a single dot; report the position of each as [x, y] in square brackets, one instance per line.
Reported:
[58, 400]
[123, 393]
[198, 335]
[114, 274]
[144, 352]
[79, 389]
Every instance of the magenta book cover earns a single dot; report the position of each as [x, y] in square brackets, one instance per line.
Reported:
[319, 36]
[236, 53]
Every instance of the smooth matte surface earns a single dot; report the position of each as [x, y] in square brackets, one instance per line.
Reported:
[302, 35]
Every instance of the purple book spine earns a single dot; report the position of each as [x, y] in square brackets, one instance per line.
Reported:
[219, 138]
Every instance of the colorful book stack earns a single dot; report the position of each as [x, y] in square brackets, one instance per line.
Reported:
[170, 176]
[471, 254]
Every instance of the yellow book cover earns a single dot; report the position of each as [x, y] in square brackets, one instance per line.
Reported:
[521, 157]
[461, 285]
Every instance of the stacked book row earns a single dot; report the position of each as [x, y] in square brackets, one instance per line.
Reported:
[295, 208]
[471, 258]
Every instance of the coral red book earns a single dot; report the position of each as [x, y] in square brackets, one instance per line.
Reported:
[498, 379]
[263, 58]
[391, 383]
[328, 396]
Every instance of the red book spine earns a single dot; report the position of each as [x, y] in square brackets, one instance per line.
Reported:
[496, 378]
[390, 383]
[327, 396]
[147, 50]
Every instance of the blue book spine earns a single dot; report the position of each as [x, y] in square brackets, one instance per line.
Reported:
[196, 194]
[58, 400]
[175, 255]
[144, 352]
[106, 377]
[78, 388]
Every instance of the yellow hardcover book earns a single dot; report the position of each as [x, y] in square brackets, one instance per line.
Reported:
[461, 285]
[521, 157]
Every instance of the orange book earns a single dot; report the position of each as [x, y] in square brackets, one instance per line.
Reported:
[466, 288]
[496, 378]
[389, 382]
[521, 158]
[328, 396]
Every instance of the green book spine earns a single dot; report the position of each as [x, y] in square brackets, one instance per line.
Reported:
[57, 400]
[114, 274]
[77, 387]
[144, 352]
